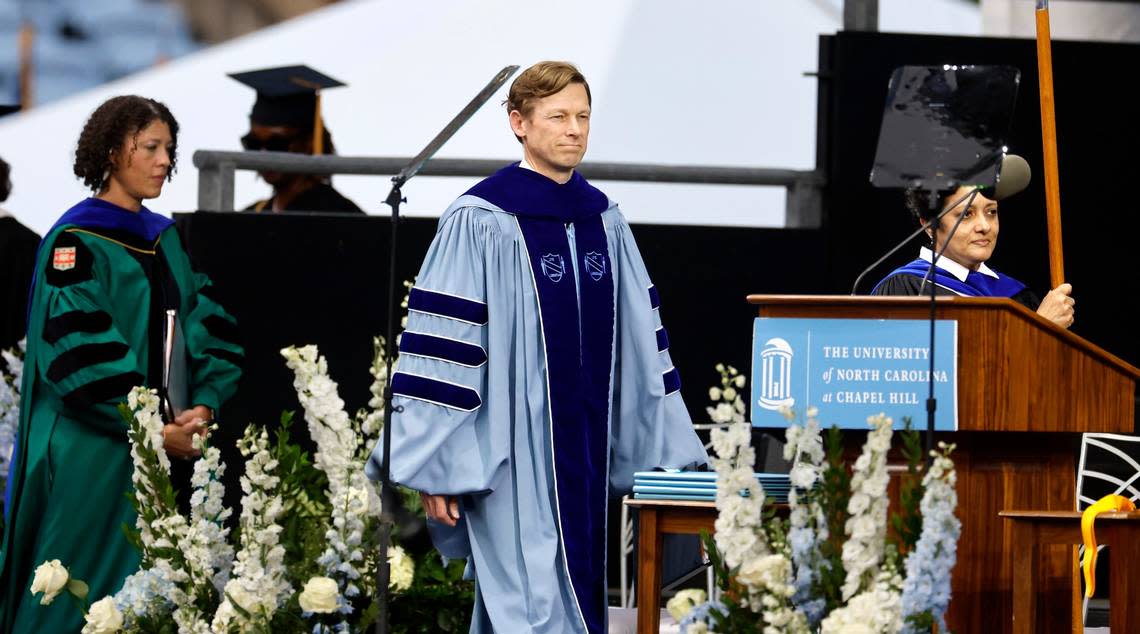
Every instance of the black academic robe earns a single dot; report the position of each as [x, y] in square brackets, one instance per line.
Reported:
[319, 197]
[17, 262]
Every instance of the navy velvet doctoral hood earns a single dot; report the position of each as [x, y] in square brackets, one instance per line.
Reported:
[523, 192]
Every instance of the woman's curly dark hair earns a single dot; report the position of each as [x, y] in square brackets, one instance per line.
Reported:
[107, 129]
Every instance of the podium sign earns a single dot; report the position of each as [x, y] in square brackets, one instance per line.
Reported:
[851, 369]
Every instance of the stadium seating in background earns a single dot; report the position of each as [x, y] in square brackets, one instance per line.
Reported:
[83, 43]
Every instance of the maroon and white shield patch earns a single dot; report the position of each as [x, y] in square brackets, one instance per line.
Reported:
[63, 258]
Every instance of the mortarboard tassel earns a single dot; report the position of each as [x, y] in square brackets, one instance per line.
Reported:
[318, 127]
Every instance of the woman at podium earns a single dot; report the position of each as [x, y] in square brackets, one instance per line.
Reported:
[961, 269]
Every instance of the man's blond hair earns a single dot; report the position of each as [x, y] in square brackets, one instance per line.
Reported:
[542, 80]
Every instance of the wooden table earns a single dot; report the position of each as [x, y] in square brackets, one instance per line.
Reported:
[656, 518]
[1034, 529]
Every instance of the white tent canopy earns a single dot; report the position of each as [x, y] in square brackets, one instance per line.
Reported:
[718, 83]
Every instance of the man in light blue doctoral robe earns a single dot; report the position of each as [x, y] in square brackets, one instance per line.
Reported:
[534, 378]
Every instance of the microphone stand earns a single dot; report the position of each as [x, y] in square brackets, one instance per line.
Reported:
[394, 199]
[931, 402]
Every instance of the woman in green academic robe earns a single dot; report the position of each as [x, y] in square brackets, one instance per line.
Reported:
[106, 274]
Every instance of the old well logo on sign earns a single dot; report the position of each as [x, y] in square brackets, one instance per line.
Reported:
[775, 380]
[851, 369]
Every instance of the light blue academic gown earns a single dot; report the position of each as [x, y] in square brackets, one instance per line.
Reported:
[534, 378]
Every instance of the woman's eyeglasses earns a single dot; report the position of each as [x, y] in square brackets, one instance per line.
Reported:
[274, 143]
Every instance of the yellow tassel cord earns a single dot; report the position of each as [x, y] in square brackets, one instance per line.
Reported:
[1103, 505]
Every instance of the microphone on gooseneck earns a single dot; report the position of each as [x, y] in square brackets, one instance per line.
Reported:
[1013, 177]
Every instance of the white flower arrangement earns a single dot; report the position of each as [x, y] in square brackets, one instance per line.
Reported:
[259, 584]
[763, 570]
[807, 523]
[10, 408]
[927, 585]
[192, 555]
[351, 496]
[788, 583]
[728, 403]
[739, 496]
[867, 525]
[190, 574]
[189, 571]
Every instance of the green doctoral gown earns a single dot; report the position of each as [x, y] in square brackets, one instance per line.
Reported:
[104, 278]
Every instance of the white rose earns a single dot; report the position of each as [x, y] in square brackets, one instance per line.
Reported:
[739, 380]
[761, 571]
[714, 393]
[700, 627]
[683, 602]
[729, 393]
[51, 578]
[103, 618]
[402, 569]
[320, 595]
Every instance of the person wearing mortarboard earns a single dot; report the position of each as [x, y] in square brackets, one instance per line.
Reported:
[286, 117]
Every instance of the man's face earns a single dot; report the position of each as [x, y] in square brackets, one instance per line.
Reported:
[555, 132]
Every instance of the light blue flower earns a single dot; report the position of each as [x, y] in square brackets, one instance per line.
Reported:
[927, 585]
[702, 612]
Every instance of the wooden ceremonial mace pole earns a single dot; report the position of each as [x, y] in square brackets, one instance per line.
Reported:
[1049, 141]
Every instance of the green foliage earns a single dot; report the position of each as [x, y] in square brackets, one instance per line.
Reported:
[923, 622]
[411, 500]
[907, 523]
[160, 624]
[306, 510]
[833, 497]
[440, 600]
[775, 528]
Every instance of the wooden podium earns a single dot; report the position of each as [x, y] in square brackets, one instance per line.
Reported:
[1026, 390]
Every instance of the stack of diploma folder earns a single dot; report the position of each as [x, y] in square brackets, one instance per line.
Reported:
[699, 485]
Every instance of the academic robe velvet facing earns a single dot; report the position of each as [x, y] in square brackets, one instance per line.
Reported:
[534, 378]
[104, 277]
[951, 278]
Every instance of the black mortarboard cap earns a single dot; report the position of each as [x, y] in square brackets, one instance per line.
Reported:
[288, 96]
[9, 109]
